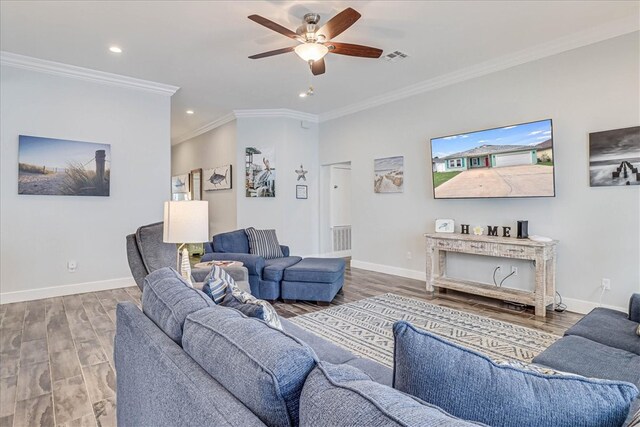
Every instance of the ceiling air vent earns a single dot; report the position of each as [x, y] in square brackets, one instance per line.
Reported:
[395, 56]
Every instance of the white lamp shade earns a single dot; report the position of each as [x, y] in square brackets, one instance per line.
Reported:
[311, 51]
[186, 221]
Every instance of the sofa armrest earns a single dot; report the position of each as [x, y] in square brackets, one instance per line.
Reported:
[208, 247]
[634, 308]
[285, 250]
[253, 263]
[199, 274]
[239, 274]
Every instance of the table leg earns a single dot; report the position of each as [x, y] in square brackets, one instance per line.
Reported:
[541, 287]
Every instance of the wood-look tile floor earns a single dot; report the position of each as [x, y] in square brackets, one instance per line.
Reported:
[56, 360]
[56, 354]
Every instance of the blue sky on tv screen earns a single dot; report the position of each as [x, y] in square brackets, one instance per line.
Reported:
[525, 134]
[58, 153]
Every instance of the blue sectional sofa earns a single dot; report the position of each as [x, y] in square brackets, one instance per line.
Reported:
[265, 275]
[184, 361]
[288, 277]
[603, 344]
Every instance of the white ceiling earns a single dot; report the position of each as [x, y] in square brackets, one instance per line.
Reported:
[203, 46]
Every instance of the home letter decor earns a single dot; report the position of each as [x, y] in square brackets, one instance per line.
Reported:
[492, 230]
[464, 228]
[505, 231]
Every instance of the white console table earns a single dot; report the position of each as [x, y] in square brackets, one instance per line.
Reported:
[543, 254]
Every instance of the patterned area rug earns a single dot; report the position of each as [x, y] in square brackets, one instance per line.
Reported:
[365, 328]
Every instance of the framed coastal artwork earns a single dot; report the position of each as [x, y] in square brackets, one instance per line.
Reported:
[61, 167]
[260, 172]
[180, 184]
[389, 175]
[218, 178]
[614, 157]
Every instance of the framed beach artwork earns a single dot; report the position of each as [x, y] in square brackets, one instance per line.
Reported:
[614, 157]
[61, 167]
[180, 184]
[389, 175]
[218, 178]
[260, 172]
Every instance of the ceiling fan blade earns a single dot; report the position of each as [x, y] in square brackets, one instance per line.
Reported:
[273, 26]
[339, 23]
[318, 67]
[272, 53]
[354, 50]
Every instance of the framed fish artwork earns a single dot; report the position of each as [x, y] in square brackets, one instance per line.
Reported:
[180, 184]
[218, 178]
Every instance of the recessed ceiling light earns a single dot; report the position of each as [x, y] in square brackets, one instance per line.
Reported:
[190, 112]
[115, 49]
[302, 94]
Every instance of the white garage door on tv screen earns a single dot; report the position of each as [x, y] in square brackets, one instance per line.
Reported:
[509, 161]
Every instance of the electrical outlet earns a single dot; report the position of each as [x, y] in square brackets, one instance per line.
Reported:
[606, 284]
[409, 255]
[514, 270]
[71, 266]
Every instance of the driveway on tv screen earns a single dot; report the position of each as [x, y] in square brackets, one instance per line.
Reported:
[507, 181]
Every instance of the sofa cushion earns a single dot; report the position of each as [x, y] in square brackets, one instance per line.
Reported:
[479, 389]
[324, 349]
[274, 268]
[588, 358]
[231, 242]
[608, 327]
[263, 367]
[252, 307]
[377, 371]
[167, 299]
[264, 243]
[319, 270]
[154, 252]
[217, 284]
[341, 395]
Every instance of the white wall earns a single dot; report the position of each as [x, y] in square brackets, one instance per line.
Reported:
[589, 89]
[211, 149]
[295, 220]
[41, 233]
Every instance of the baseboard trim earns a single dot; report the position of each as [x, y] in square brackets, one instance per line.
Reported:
[387, 269]
[584, 307]
[336, 254]
[63, 290]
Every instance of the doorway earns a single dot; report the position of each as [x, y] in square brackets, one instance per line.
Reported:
[335, 208]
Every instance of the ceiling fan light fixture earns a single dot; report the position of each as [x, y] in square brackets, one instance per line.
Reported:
[311, 51]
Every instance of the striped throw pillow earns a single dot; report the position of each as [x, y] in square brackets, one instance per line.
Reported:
[217, 284]
[264, 243]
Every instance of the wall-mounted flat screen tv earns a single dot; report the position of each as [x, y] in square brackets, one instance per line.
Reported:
[509, 161]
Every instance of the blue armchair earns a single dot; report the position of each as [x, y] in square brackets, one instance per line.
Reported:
[265, 275]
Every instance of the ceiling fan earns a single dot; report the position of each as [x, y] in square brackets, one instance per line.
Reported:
[315, 41]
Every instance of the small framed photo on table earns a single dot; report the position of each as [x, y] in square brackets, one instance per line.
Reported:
[301, 191]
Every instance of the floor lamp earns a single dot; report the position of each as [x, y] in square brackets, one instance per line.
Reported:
[185, 222]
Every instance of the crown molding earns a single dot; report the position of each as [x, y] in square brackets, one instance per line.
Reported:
[245, 114]
[206, 128]
[276, 113]
[594, 35]
[80, 73]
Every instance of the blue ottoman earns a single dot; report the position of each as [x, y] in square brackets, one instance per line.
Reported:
[313, 279]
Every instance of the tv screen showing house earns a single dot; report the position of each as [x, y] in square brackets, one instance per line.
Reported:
[509, 161]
